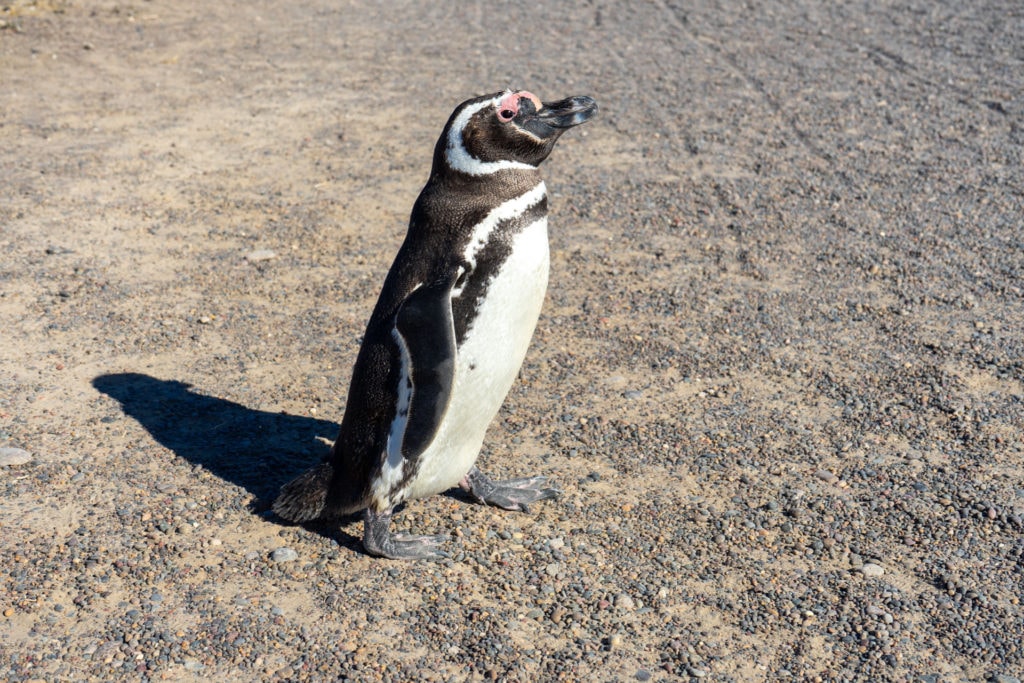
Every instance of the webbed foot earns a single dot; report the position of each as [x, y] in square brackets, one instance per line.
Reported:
[378, 540]
[513, 494]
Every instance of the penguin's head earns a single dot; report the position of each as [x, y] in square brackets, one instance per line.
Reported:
[508, 130]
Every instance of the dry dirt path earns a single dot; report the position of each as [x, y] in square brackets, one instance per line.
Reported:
[779, 374]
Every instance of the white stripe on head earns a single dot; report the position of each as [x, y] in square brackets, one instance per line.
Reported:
[459, 158]
[511, 209]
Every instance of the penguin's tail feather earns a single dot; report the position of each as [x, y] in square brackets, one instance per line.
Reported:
[304, 498]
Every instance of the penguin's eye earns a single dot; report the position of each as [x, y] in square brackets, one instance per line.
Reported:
[506, 115]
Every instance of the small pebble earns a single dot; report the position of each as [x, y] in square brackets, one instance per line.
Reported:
[871, 569]
[624, 602]
[260, 255]
[284, 555]
[14, 456]
[642, 675]
[825, 476]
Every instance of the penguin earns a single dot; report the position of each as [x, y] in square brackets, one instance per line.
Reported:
[450, 329]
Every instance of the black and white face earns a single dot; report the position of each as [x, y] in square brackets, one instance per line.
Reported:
[509, 130]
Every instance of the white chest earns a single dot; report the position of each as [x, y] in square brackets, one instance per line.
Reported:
[488, 361]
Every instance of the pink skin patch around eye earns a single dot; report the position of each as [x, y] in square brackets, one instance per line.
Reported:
[510, 101]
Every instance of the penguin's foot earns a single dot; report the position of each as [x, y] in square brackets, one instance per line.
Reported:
[378, 540]
[514, 494]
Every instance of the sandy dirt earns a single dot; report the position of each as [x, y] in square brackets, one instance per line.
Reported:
[779, 376]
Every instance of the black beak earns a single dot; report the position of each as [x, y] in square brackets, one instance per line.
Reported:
[572, 111]
[554, 118]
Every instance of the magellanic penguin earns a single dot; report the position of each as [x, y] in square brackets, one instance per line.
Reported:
[450, 329]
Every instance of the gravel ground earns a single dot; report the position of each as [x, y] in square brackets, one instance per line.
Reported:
[779, 375]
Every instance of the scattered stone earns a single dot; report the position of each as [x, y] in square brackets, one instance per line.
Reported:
[872, 569]
[1004, 678]
[624, 602]
[14, 456]
[260, 255]
[825, 476]
[284, 555]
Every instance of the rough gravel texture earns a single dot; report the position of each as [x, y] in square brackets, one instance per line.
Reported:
[779, 375]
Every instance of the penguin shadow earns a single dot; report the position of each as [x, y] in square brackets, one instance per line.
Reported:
[255, 449]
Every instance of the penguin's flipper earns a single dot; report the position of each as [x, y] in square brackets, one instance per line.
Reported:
[424, 323]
